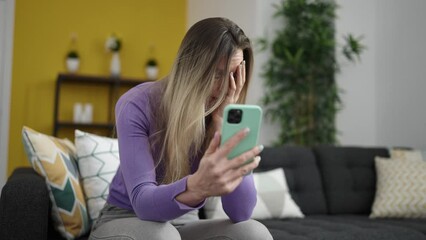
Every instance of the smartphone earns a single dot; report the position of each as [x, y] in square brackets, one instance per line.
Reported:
[235, 118]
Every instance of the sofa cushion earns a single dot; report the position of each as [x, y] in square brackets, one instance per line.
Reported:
[337, 227]
[302, 175]
[54, 159]
[415, 224]
[349, 177]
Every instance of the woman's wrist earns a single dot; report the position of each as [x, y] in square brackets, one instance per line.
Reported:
[192, 196]
[194, 190]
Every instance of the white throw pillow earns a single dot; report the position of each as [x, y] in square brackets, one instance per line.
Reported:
[97, 160]
[401, 189]
[273, 198]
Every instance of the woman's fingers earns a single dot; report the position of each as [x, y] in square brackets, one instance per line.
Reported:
[235, 85]
[239, 81]
[221, 174]
[235, 176]
[232, 86]
[243, 158]
[242, 171]
[214, 143]
[227, 147]
[244, 72]
[240, 161]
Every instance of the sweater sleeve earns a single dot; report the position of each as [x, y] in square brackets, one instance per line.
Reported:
[239, 204]
[149, 200]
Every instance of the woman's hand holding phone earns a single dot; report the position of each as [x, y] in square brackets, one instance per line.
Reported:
[217, 175]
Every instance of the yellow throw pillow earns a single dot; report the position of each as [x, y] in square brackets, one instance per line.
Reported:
[54, 159]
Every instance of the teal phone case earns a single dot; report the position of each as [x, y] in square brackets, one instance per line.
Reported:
[251, 118]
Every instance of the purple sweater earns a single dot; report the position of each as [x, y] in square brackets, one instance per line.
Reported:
[134, 186]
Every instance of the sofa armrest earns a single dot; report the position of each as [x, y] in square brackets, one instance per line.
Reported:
[24, 206]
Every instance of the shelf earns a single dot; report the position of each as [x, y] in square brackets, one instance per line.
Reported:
[85, 125]
[115, 86]
[90, 79]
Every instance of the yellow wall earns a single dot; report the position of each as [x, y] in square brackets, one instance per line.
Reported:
[42, 38]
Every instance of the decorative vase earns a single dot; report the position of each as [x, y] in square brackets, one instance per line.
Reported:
[87, 115]
[151, 72]
[78, 110]
[115, 67]
[72, 64]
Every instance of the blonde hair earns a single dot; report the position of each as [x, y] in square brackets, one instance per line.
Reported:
[181, 131]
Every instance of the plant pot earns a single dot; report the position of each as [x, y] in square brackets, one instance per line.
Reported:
[151, 72]
[72, 64]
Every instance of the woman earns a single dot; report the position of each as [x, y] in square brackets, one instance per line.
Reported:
[170, 156]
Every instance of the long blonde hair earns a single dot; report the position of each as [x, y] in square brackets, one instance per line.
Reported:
[181, 131]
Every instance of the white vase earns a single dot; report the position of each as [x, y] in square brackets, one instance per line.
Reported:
[115, 67]
[87, 115]
[151, 72]
[72, 64]
[78, 110]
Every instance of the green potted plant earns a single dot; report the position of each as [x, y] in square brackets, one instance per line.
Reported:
[302, 95]
[72, 61]
[151, 69]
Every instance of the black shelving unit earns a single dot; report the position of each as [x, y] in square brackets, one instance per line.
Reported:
[113, 85]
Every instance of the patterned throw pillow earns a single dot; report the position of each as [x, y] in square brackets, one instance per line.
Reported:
[54, 159]
[97, 160]
[401, 189]
[273, 198]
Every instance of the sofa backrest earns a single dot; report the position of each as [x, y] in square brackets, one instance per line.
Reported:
[302, 175]
[348, 177]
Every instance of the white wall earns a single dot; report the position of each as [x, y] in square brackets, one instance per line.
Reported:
[383, 94]
[401, 73]
[357, 120]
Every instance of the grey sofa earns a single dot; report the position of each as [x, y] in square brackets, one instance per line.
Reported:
[333, 186]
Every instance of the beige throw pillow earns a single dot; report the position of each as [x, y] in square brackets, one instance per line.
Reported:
[406, 155]
[401, 189]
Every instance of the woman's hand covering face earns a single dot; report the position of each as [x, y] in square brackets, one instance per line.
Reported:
[236, 79]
